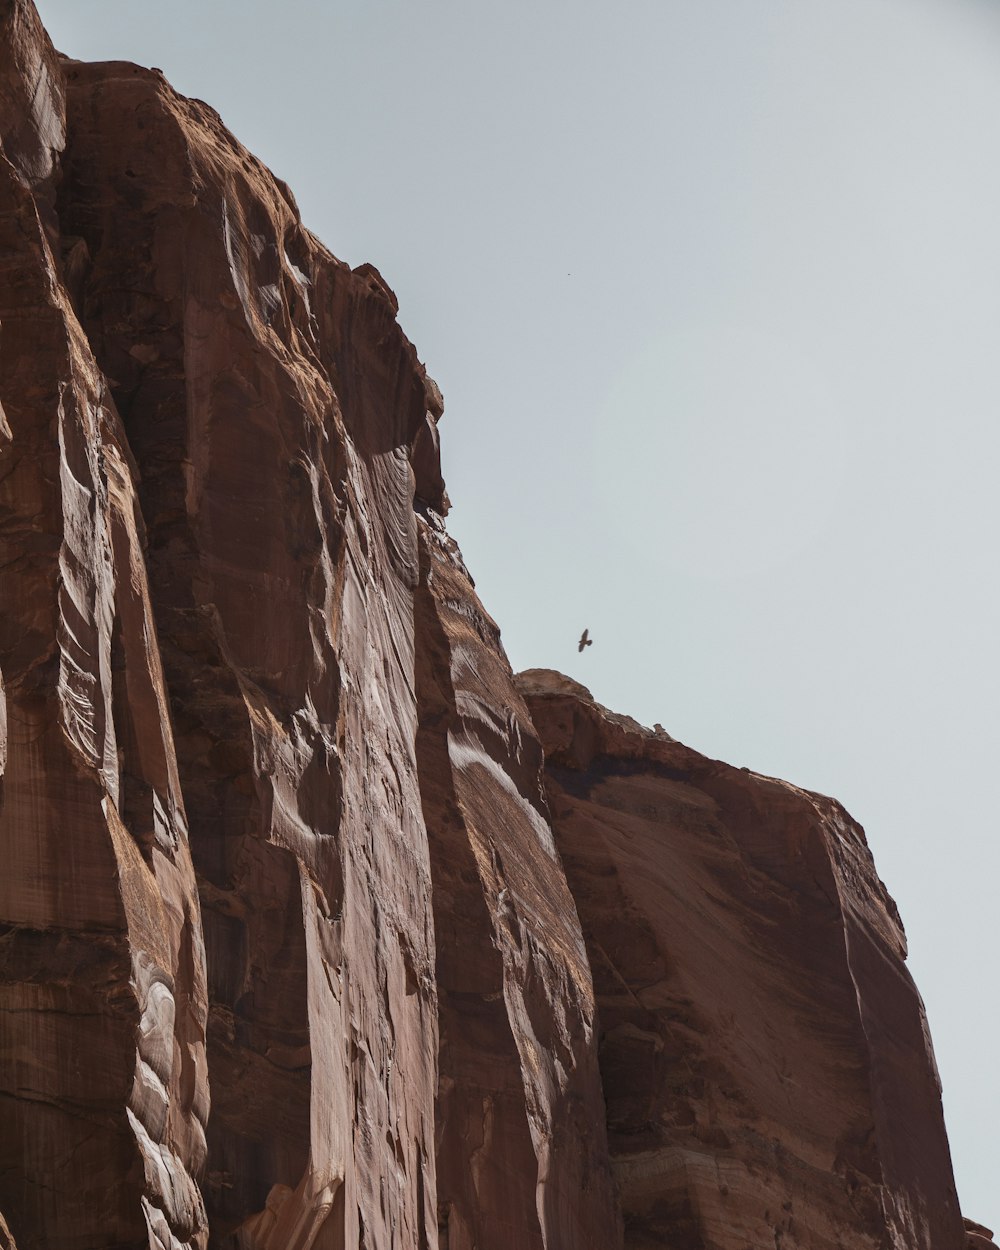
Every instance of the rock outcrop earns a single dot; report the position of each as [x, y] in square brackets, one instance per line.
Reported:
[317, 929]
[764, 1053]
[979, 1237]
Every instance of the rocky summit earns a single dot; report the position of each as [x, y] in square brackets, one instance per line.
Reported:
[318, 927]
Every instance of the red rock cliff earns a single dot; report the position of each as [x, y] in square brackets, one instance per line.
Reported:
[291, 952]
[765, 1057]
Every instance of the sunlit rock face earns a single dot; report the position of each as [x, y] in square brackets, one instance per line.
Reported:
[764, 1054]
[103, 996]
[291, 951]
[270, 400]
[221, 495]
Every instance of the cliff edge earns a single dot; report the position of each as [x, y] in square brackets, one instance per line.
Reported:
[764, 1053]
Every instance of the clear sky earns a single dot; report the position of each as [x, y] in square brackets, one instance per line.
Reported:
[712, 289]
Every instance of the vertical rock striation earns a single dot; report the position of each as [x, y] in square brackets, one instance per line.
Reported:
[270, 400]
[318, 930]
[102, 973]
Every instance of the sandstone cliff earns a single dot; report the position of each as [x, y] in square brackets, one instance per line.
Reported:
[764, 1053]
[314, 932]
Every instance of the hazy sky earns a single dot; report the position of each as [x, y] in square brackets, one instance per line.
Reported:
[712, 289]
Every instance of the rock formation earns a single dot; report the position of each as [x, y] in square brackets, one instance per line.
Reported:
[979, 1236]
[764, 1053]
[313, 931]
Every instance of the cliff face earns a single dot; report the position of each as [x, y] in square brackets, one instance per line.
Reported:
[764, 1053]
[291, 953]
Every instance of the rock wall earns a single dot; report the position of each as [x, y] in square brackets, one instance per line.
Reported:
[270, 399]
[523, 1155]
[764, 1054]
[291, 952]
[103, 996]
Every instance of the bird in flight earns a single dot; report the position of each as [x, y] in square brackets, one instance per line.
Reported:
[585, 640]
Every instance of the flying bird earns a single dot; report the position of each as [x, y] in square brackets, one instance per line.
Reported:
[585, 640]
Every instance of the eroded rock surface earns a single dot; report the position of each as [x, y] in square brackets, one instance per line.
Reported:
[270, 400]
[523, 1159]
[6, 1240]
[978, 1236]
[102, 973]
[291, 952]
[764, 1053]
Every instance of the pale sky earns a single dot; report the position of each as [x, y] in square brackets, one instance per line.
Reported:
[712, 289]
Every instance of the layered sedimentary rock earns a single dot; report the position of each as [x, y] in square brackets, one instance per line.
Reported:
[764, 1053]
[291, 951]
